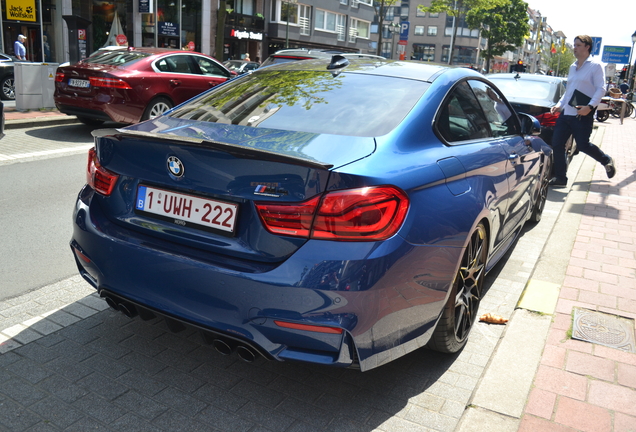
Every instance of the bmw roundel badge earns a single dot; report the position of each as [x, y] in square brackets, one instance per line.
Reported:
[175, 166]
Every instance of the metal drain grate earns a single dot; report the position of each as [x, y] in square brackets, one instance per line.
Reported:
[604, 329]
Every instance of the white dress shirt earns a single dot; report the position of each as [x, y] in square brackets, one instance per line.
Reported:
[589, 79]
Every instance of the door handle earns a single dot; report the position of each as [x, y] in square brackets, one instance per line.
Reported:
[175, 82]
[514, 157]
[212, 83]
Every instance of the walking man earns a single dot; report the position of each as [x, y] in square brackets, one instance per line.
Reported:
[586, 87]
[18, 48]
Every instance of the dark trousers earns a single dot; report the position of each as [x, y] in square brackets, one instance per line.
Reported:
[581, 129]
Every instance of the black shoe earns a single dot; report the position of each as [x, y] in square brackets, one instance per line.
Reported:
[610, 168]
[555, 181]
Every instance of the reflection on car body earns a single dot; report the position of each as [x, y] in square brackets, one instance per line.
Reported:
[359, 225]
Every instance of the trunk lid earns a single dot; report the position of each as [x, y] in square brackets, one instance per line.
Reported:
[219, 170]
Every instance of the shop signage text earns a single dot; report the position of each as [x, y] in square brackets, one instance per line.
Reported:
[168, 28]
[239, 34]
[21, 10]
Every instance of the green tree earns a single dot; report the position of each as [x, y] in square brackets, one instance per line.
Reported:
[560, 61]
[458, 9]
[381, 8]
[505, 27]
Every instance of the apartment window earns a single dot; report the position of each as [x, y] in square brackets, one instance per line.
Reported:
[341, 27]
[326, 20]
[432, 31]
[433, 15]
[366, 2]
[344, 2]
[419, 31]
[285, 12]
[359, 29]
[419, 13]
[304, 19]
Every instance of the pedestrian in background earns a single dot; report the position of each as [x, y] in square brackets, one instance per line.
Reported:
[19, 50]
[586, 87]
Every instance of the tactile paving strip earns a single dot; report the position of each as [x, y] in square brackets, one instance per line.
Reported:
[604, 329]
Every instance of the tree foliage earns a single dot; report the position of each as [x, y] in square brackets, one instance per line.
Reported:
[504, 25]
[459, 9]
[560, 61]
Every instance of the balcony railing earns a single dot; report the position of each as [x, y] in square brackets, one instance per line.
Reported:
[248, 21]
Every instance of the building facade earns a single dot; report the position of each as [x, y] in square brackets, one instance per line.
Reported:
[69, 30]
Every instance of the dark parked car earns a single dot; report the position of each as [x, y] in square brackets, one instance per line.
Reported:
[534, 95]
[295, 214]
[287, 55]
[7, 80]
[128, 85]
[241, 66]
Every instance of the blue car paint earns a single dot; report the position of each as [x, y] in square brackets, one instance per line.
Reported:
[384, 309]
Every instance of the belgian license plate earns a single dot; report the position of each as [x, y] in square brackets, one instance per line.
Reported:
[74, 82]
[187, 210]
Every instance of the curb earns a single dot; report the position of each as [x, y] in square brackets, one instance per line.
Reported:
[39, 121]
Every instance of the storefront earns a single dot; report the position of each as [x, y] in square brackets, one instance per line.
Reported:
[55, 27]
[243, 35]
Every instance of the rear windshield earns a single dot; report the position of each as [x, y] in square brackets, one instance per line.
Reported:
[309, 101]
[116, 58]
[527, 89]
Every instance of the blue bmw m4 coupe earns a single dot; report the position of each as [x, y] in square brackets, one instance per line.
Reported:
[339, 212]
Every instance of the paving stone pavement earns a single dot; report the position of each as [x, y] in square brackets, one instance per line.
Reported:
[68, 362]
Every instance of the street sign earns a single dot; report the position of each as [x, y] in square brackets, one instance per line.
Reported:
[616, 54]
[404, 30]
[596, 45]
[121, 39]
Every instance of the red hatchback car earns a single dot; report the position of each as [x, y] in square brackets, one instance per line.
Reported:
[129, 85]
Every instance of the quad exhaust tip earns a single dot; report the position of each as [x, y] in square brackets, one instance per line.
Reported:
[222, 346]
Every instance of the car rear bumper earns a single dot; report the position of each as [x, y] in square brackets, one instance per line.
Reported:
[101, 107]
[385, 298]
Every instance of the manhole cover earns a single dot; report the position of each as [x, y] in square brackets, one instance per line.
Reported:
[604, 329]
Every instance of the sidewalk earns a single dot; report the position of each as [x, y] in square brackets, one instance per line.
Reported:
[580, 385]
[15, 119]
[584, 280]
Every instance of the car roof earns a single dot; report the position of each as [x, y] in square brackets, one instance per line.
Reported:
[319, 53]
[371, 66]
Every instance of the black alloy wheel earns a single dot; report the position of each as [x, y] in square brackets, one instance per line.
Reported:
[8, 88]
[460, 311]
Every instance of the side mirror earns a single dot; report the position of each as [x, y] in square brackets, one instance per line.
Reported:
[529, 125]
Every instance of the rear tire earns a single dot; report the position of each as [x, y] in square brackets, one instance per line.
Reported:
[157, 107]
[542, 197]
[460, 311]
[8, 88]
[90, 122]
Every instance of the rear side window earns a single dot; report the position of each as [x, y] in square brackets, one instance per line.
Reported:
[208, 67]
[499, 115]
[310, 101]
[461, 117]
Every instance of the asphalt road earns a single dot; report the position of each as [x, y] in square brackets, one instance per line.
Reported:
[41, 171]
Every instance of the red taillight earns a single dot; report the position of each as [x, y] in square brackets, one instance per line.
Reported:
[365, 214]
[98, 177]
[109, 83]
[59, 77]
[307, 327]
[547, 119]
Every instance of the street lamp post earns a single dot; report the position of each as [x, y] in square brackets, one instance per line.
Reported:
[287, 3]
[393, 28]
[630, 71]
